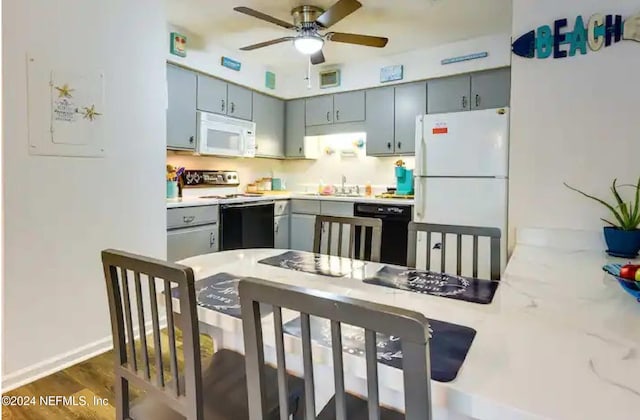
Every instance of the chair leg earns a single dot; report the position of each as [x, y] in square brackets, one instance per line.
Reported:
[122, 398]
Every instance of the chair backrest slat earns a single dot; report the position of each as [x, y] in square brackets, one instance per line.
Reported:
[324, 224]
[282, 364]
[494, 235]
[338, 370]
[410, 327]
[141, 326]
[185, 400]
[371, 354]
[127, 313]
[307, 363]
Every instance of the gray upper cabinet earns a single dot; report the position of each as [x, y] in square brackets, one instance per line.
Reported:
[294, 128]
[380, 121]
[240, 102]
[319, 110]
[349, 107]
[451, 94]
[181, 112]
[268, 114]
[491, 89]
[212, 95]
[410, 102]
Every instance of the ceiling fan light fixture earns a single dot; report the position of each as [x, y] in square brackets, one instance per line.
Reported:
[308, 44]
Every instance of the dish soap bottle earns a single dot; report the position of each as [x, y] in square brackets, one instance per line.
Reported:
[368, 191]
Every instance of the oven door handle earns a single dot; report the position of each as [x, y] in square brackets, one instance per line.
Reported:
[249, 204]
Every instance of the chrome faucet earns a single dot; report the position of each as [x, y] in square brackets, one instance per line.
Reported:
[344, 180]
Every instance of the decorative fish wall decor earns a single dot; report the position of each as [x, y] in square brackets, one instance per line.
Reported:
[593, 34]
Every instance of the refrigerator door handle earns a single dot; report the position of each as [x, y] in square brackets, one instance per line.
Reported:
[420, 148]
[420, 200]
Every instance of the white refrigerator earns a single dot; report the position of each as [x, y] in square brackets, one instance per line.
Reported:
[461, 178]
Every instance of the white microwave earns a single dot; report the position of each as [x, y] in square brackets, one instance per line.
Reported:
[224, 136]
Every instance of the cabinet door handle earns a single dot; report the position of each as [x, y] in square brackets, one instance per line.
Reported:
[277, 227]
[477, 100]
[233, 107]
[191, 139]
[464, 102]
[399, 145]
[328, 116]
[222, 105]
[212, 240]
[300, 150]
[188, 219]
[337, 114]
[389, 145]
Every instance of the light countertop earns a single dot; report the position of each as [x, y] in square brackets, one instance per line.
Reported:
[561, 339]
[195, 201]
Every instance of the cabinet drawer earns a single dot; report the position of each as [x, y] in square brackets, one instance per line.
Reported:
[305, 206]
[191, 216]
[336, 208]
[281, 208]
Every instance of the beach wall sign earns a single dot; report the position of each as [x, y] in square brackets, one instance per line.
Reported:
[563, 39]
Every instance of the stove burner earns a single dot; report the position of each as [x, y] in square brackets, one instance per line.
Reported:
[227, 196]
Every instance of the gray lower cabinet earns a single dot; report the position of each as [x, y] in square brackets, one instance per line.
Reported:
[410, 102]
[269, 116]
[319, 110]
[302, 231]
[281, 232]
[192, 241]
[212, 95]
[240, 102]
[349, 106]
[181, 112]
[491, 89]
[449, 94]
[380, 122]
[294, 128]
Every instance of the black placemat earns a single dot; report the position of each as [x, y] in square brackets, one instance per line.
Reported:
[448, 346]
[437, 284]
[220, 293]
[308, 262]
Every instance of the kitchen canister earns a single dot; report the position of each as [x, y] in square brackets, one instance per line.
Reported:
[172, 189]
[276, 184]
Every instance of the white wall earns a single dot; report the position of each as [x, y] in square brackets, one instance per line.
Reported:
[205, 57]
[573, 119]
[418, 65]
[61, 212]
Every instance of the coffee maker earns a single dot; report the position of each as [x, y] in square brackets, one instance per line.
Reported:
[404, 179]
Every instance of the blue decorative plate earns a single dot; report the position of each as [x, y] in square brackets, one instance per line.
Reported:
[630, 286]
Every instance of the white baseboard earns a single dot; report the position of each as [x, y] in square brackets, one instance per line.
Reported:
[63, 361]
[54, 364]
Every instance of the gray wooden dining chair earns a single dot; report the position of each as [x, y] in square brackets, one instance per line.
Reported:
[494, 235]
[364, 239]
[178, 391]
[411, 327]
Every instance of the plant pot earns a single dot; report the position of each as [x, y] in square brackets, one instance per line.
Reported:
[622, 243]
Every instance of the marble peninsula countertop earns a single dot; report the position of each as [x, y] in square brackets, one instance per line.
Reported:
[196, 201]
[561, 339]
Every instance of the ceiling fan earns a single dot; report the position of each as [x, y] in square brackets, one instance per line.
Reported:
[309, 21]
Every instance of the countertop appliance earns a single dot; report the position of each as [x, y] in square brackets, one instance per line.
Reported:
[246, 225]
[225, 136]
[461, 178]
[395, 223]
[404, 181]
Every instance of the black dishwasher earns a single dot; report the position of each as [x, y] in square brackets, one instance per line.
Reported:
[246, 225]
[395, 228]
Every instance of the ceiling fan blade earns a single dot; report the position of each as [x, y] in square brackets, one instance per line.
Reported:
[267, 43]
[337, 12]
[265, 17]
[367, 40]
[317, 58]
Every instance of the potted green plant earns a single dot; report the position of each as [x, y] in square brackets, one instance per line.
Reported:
[622, 235]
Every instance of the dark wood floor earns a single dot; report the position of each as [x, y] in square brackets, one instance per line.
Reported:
[91, 379]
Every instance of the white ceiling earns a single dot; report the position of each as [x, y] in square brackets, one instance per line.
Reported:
[409, 24]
